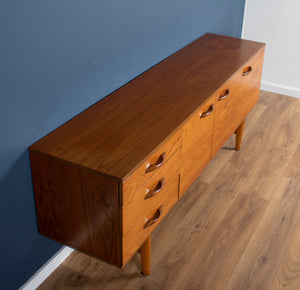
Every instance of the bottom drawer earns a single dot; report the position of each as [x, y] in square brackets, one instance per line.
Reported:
[140, 215]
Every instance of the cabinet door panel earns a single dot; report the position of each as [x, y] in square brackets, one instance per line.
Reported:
[235, 100]
[196, 145]
[249, 86]
[227, 116]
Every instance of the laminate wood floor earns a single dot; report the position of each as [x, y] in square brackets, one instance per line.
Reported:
[237, 227]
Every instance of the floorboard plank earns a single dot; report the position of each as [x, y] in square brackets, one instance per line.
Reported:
[288, 275]
[263, 255]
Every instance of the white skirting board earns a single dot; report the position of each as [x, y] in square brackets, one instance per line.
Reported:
[278, 89]
[41, 275]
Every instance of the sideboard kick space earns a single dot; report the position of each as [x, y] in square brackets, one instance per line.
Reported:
[105, 179]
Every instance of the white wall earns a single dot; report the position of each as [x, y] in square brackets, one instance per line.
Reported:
[277, 23]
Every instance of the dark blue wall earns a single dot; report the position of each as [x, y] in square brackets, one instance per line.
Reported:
[57, 57]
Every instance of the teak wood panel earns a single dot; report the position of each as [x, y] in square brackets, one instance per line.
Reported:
[226, 113]
[77, 207]
[140, 176]
[121, 130]
[249, 86]
[196, 145]
[235, 99]
[138, 211]
[97, 160]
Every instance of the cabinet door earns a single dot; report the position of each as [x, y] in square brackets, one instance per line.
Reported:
[249, 87]
[235, 100]
[227, 115]
[196, 145]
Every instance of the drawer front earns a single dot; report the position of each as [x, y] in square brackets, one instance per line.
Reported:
[148, 206]
[151, 166]
[249, 86]
[227, 113]
[196, 145]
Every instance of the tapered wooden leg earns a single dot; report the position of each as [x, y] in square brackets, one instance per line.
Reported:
[239, 136]
[146, 256]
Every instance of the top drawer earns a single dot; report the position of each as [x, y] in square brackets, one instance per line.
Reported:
[151, 165]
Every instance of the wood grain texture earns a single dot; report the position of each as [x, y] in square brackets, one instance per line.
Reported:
[76, 207]
[293, 168]
[140, 176]
[249, 86]
[228, 240]
[135, 140]
[120, 132]
[262, 131]
[227, 114]
[239, 136]
[137, 211]
[242, 96]
[288, 273]
[196, 145]
[146, 257]
[226, 233]
[269, 242]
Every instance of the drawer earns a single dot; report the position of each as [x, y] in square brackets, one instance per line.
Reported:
[149, 205]
[196, 144]
[148, 168]
[249, 86]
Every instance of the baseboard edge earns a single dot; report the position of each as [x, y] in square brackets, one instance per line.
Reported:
[41, 275]
[283, 90]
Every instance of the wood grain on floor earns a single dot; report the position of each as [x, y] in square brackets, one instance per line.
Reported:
[237, 227]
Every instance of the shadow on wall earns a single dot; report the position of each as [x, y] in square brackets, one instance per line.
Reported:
[18, 223]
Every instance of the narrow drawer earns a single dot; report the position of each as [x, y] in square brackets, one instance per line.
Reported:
[149, 205]
[148, 168]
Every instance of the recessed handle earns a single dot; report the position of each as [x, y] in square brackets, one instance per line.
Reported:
[247, 71]
[155, 218]
[224, 95]
[158, 163]
[157, 189]
[208, 112]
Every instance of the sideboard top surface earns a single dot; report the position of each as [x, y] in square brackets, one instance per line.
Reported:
[120, 131]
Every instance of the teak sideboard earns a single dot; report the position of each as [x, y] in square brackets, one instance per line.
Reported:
[105, 179]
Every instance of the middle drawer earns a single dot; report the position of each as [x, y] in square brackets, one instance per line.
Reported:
[147, 207]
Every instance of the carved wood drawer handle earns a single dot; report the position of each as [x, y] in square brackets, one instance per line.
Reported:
[247, 71]
[208, 112]
[157, 189]
[159, 162]
[155, 218]
[224, 95]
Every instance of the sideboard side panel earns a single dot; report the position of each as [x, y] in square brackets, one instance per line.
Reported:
[77, 207]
